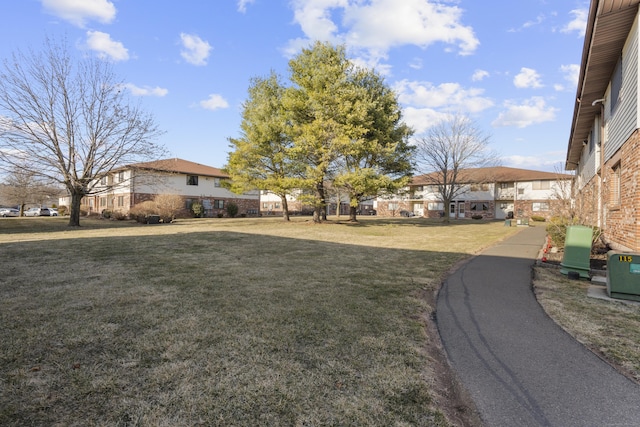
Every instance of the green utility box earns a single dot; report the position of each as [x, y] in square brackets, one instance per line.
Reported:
[623, 275]
[577, 250]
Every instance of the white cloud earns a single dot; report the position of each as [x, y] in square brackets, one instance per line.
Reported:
[214, 102]
[372, 28]
[479, 75]
[421, 119]
[416, 64]
[578, 23]
[530, 112]
[146, 90]
[195, 50]
[242, 5]
[448, 96]
[107, 49]
[571, 73]
[551, 161]
[527, 78]
[78, 12]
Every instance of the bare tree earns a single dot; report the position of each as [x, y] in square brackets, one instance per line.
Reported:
[450, 147]
[69, 120]
[22, 187]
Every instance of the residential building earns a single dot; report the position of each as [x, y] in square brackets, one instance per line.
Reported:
[493, 193]
[271, 204]
[604, 144]
[126, 187]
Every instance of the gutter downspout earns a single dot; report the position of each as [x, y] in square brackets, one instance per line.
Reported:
[601, 168]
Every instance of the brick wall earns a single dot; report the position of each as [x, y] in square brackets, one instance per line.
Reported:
[621, 225]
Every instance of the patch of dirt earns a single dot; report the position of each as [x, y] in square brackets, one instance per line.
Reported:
[450, 396]
[598, 259]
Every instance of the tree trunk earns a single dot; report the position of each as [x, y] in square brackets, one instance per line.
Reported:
[74, 211]
[285, 208]
[320, 212]
[447, 211]
[352, 214]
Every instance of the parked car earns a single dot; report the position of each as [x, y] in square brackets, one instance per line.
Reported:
[38, 212]
[5, 212]
[407, 213]
[54, 211]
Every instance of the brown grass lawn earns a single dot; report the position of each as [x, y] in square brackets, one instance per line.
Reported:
[243, 322]
[610, 328]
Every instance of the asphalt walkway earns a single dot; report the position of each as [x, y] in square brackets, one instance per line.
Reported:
[520, 368]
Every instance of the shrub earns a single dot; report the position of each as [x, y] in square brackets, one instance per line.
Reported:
[557, 230]
[62, 210]
[168, 206]
[197, 209]
[118, 215]
[232, 209]
[221, 215]
[140, 211]
[538, 218]
[106, 213]
[476, 216]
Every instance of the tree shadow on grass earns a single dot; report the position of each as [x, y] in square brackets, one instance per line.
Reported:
[225, 327]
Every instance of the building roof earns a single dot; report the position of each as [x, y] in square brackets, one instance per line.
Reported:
[608, 27]
[176, 165]
[494, 174]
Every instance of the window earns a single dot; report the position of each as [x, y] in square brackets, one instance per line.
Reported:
[479, 206]
[216, 182]
[277, 205]
[120, 201]
[121, 176]
[615, 185]
[103, 180]
[393, 206]
[192, 179]
[540, 206]
[520, 191]
[265, 205]
[541, 185]
[218, 204]
[505, 185]
[433, 206]
[103, 202]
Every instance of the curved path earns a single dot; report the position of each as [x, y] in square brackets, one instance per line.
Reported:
[520, 368]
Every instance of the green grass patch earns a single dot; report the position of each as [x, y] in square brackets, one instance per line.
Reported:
[243, 322]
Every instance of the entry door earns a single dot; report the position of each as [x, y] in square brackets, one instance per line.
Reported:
[452, 210]
[460, 209]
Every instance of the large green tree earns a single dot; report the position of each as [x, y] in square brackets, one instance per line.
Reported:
[380, 158]
[261, 158]
[333, 123]
[318, 105]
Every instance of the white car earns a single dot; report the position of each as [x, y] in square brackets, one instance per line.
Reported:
[38, 212]
[54, 211]
[5, 212]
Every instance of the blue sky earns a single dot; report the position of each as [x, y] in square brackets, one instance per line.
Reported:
[512, 66]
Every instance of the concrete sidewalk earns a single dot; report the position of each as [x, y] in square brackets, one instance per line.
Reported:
[520, 368]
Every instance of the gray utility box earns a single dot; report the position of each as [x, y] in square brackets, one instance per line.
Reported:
[623, 275]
